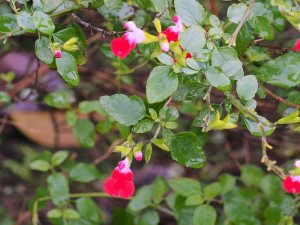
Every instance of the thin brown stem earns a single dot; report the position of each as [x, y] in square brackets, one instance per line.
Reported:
[98, 29]
[241, 23]
[108, 152]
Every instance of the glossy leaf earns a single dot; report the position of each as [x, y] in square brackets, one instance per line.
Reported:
[126, 110]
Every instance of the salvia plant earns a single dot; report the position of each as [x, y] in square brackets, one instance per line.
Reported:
[207, 70]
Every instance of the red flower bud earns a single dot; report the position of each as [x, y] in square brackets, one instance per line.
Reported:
[57, 53]
[138, 156]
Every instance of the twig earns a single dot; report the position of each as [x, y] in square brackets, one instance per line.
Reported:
[242, 22]
[233, 157]
[33, 87]
[213, 7]
[275, 47]
[88, 25]
[108, 152]
[3, 123]
[278, 98]
[23, 217]
[271, 165]
[207, 117]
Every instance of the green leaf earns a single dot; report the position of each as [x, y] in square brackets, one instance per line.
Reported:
[254, 127]
[25, 21]
[212, 190]
[141, 200]
[263, 28]
[143, 126]
[58, 99]
[247, 87]
[89, 210]
[67, 68]
[8, 23]
[169, 113]
[43, 22]
[161, 84]
[113, 4]
[194, 200]
[159, 189]
[232, 67]
[160, 143]
[222, 55]
[251, 175]
[291, 118]
[217, 78]
[54, 213]
[58, 188]
[40, 165]
[84, 131]
[185, 186]
[160, 5]
[4, 97]
[165, 59]
[188, 40]
[126, 110]
[276, 72]
[59, 157]
[86, 107]
[42, 50]
[205, 215]
[186, 150]
[148, 152]
[191, 12]
[84, 173]
[235, 12]
[150, 217]
[227, 182]
[103, 127]
[71, 214]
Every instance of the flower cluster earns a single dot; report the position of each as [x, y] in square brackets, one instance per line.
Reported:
[292, 183]
[122, 46]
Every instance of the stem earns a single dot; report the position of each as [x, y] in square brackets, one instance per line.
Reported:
[35, 217]
[278, 98]
[271, 165]
[164, 210]
[207, 117]
[242, 22]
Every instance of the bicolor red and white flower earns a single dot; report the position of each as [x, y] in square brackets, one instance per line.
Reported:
[172, 32]
[292, 184]
[120, 183]
[122, 46]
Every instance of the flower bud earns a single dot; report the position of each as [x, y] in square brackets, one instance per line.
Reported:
[138, 156]
[57, 53]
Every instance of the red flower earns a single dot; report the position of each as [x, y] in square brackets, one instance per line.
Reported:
[124, 45]
[120, 184]
[292, 184]
[297, 45]
[173, 32]
[138, 156]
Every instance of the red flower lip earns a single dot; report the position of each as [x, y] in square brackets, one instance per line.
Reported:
[297, 45]
[120, 184]
[292, 184]
[122, 46]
